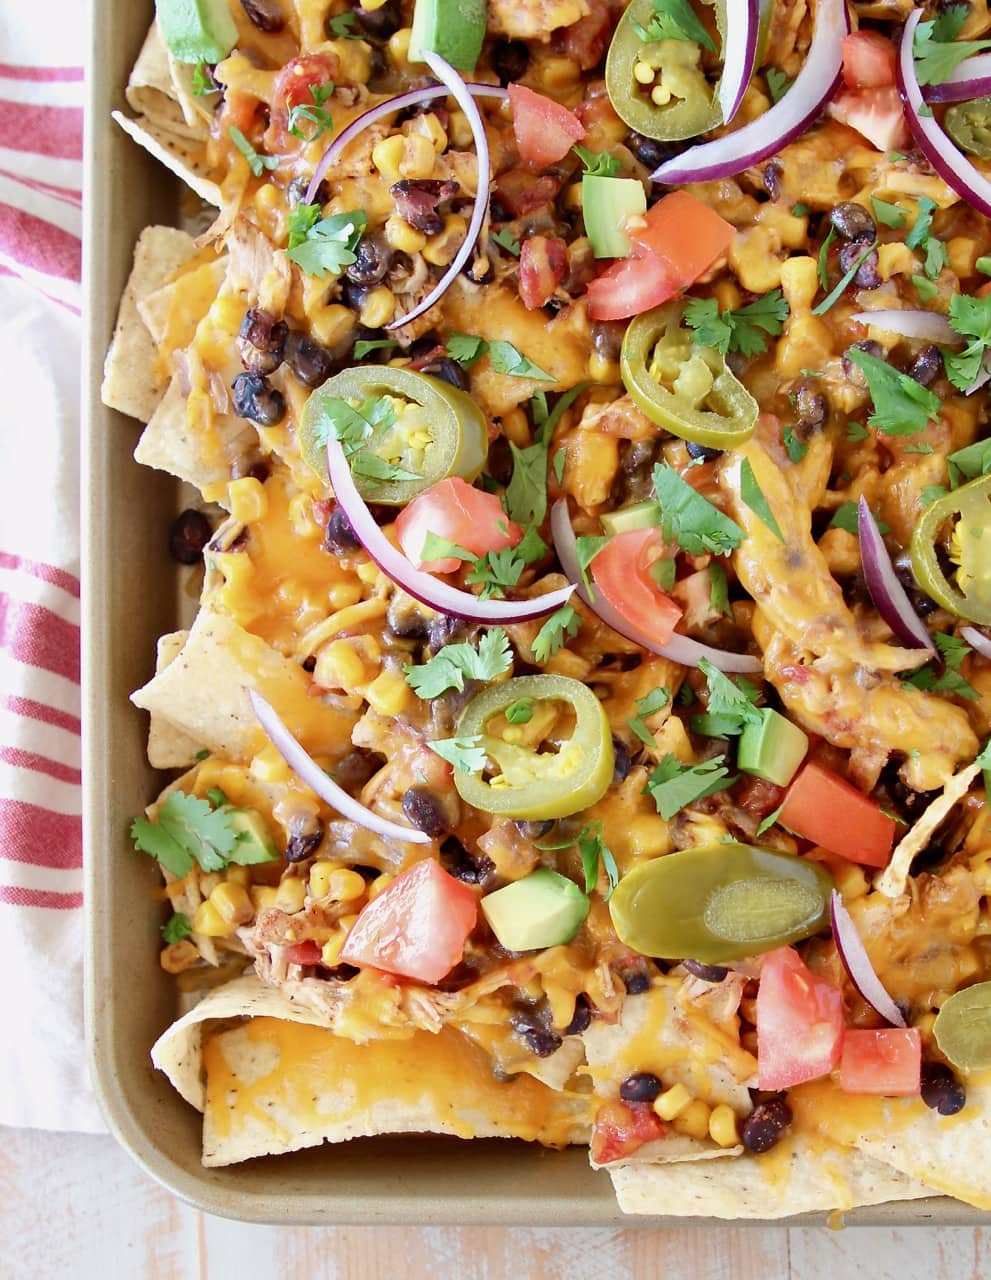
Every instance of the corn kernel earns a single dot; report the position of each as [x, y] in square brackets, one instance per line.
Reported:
[442, 247]
[372, 5]
[263, 896]
[896, 259]
[248, 499]
[301, 517]
[728, 294]
[378, 308]
[209, 882]
[346, 885]
[239, 875]
[642, 73]
[339, 667]
[320, 874]
[558, 73]
[227, 312]
[347, 923]
[516, 427]
[232, 903]
[179, 956]
[268, 766]
[459, 130]
[402, 237]
[418, 157]
[398, 46]
[342, 595]
[722, 1126]
[431, 128]
[388, 694]
[379, 885]
[672, 1102]
[386, 156]
[602, 369]
[368, 573]
[330, 952]
[291, 894]
[209, 921]
[331, 325]
[693, 1121]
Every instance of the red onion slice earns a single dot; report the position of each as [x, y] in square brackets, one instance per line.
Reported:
[858, 965]
[889, 596]
[947, 159]
[459, 91]
[423, 586]
[971, 79]
[391, 105]
[784, 122]
[739, 54]
[930, 326]
[326, 788]
[977, 640]
[679, 648]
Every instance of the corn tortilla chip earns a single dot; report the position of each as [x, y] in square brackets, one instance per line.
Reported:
[181, 156]
[169, 747]
[170, 442]
[157, 90]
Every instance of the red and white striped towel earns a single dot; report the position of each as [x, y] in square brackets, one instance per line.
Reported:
[43, 1079]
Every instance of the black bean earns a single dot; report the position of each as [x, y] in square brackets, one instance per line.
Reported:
[310, 363]
[458, 862]
[607, 338]
[623, 760]
[188, 536]
[772, 179]
[297, 189]
[922, 603]
[927, 365]
[581, 1017]
[871, 348]
[766, 1124]
[868, 276]
[448, 371]
[382, 22]
[425, 811]
[853, 222]
[261, 341]
[811, 407]
[444, 629]
[477, 269]
[339, 538]
[339, 973]
[701, 451]
[510, 59]
[642, 1086]
[417, 201]
[405, 619]
[636, 982]
[258, 401]
[267, 15]
[354, 295]
[500, 462]
[356, 768]
[542, 1043]
[707, 972]
[304, 840]
[372, 260]
[941, 1090]
[534, 830]
[649, 151]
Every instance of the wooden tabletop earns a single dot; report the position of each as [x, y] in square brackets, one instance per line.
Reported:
[73, 1206]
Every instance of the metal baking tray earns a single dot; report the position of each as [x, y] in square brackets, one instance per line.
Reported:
[131, 596]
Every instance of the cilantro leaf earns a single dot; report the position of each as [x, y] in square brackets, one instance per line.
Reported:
[176, 928]
[365, 346]
[497, 570]
[753, 496]
[845, 517]
[690, 519]
[466, 754]
[256, 163]
[588, 548]
[354, 428]
[546, 420]
[330, 244]
[778, 83]
[932, 493]
[372, 467]
[937, 51]
[794, 446]
[593, 850]
[768, 822]
[856, 431]
[674, 20]
[971, 318]
[925, 288]
[969, 463]
[342, 27]
[203, 81]
[731, 701]
[983, 758]
[509, 360]
[673, 785]
[741, 330]
[505, 239]
[558, 463]
[719, 590]
[449, 668]
[316, 115]
[437, 548]
[187, 829]
[901, 405]
[520, 711]
[889, 215]
[526, 494]
[466, 348]
[922, 225]
[648, 705]
[301, 219]
[711, 328]
[831, 299]
[562, 624]
[598, 164]
[824, 258]
[952, 651]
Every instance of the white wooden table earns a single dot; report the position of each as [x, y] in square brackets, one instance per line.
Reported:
[75, 1208]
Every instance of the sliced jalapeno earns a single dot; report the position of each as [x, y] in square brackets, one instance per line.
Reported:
[683, 387]
[531, 783]
[720, 903]
[969, 125]
[960, 524]
[676, 101]
[963, 1027]
[432, 431]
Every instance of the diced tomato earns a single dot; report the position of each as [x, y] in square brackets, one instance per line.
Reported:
[307, 952]
[453, 509]
[887, 1062]
[294, 87]
[983, 291]
[545, 131]
[622, 572]
[799, 1022]
[415, 928]
[543, 265]
[241, 111]
[622, 1128]
[869, 60]
[585, 41]
[681, 240]
[876, 114]
[826, 809]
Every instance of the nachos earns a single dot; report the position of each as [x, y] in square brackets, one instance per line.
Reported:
[581, 734]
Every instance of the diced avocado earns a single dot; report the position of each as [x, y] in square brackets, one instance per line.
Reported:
[197, 30]
[772, 749]
[455, 29]
[606, 204]
[543, 909]
[255, 843]
[641, 515]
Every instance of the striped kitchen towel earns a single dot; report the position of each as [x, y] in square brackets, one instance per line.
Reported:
[43, 1079]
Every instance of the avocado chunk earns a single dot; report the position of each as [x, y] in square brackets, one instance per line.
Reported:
[606, 204]
[255, 843]
[772, 748]
[543, 909]
[197, 30]
[641, 515]
[454, 29]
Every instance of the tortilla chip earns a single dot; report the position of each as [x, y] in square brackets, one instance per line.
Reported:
[894, 878]
[130, 383]
[169, 747]
[799, 1176]
[204, 693]
[171, 443]
[281, 1082]
[157, 91]
[173, 311]
[180, 156]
